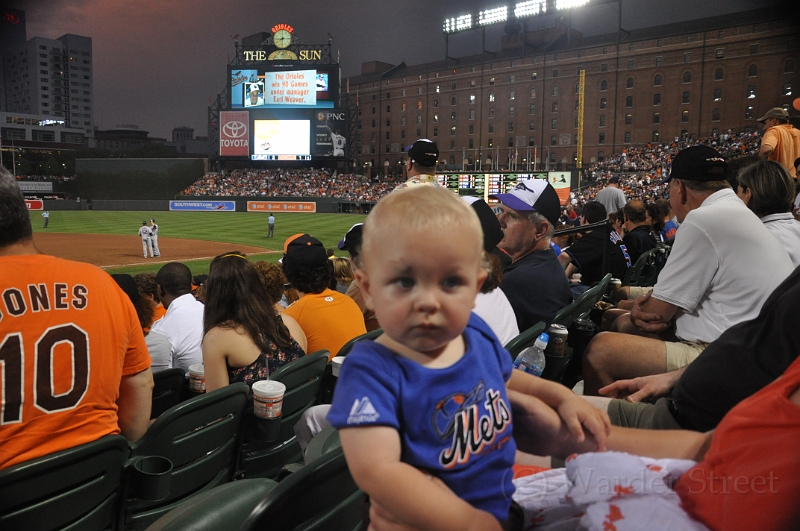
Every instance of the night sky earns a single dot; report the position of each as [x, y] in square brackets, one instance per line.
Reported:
[157, 62]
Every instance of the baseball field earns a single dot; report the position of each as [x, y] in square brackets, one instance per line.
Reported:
[108, 239]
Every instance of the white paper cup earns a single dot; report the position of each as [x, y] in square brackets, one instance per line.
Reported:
[268, 399]
[197, 378]
[336, 365]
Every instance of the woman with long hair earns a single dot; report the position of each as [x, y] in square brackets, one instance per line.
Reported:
[342, 272]
[245, 340]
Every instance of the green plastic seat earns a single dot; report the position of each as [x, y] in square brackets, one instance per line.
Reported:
[645, 271]
[73, 490]
[321, 496]
[322, 443]
[219, 509]
[202, 439]
[525, 339]
[167, 389]
[328, 379]
[347, 347]
[587, 300]
[554, 365]
[265, 457]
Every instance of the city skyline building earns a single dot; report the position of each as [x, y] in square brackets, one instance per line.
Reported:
[51, 78]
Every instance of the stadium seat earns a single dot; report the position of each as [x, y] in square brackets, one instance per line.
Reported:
[202, 439]
[272, 443]
[587, 300]
[328, 379]
[644, 272]
[347, 347]
[525, 339]
[321, 496]
[72, 490]
[167, 389]
[323, 443]
[554, 365]
[220, 509]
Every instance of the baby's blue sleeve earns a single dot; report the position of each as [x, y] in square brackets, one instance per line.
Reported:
[367, 391]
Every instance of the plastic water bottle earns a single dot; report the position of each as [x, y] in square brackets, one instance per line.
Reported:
[531, 360]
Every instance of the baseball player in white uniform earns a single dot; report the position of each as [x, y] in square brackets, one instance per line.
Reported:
[144, 232]
[154, 237]
[338, 142]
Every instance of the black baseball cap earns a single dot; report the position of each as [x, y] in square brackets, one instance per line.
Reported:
[305, 252]
[492, 232]
[424, 152]
[698, 163]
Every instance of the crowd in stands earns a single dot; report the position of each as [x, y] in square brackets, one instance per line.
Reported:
[290, 183]
[657, 157]
[641, 169]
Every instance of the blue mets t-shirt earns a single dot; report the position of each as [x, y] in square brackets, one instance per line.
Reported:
[454, 423]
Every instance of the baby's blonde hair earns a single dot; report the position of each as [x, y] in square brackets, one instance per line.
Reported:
[421, 209]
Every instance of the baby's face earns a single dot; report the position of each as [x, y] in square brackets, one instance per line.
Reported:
[422, 286]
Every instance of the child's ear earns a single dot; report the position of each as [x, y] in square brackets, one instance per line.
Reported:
[363, 282]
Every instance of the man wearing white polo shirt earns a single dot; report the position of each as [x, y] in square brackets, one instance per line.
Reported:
[723, 266]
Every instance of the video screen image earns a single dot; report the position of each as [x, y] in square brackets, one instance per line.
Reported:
[276, 89]
[281, 137]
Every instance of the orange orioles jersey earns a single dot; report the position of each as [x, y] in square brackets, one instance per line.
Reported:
[68, 334]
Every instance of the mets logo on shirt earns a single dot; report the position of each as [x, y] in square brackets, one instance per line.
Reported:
[472, 422]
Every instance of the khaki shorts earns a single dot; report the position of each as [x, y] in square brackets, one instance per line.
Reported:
[642, 415]
[682, 353]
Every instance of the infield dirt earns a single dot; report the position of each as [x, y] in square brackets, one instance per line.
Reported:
[108, 250]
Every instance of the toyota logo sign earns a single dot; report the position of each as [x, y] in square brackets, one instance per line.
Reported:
[234, 137]
[234, 129]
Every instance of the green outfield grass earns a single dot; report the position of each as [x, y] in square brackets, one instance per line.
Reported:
[245, 228]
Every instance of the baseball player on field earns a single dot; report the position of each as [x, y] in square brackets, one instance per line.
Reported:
[144, 232]
[154, 237]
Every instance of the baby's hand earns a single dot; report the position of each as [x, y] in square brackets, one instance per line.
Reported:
[577, 412]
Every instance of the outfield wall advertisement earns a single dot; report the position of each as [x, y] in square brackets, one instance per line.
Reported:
[203, 206]
[281, 206]
[34, 204]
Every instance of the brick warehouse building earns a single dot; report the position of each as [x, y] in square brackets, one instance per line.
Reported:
[693, 78]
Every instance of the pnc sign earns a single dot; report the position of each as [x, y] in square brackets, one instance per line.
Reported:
[234, 135]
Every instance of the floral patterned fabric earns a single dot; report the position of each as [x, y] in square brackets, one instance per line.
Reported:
[266, 364]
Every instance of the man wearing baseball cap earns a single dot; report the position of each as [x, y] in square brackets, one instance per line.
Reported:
[423, 155]
[781, 141]
[723, 265]
[534, 282]
[329, 318]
